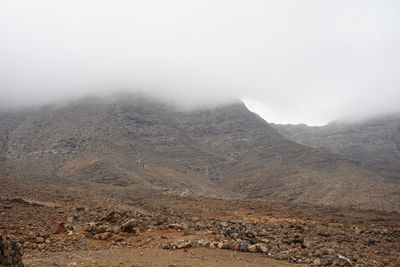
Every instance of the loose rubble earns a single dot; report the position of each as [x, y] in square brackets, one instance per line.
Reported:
[287, 234]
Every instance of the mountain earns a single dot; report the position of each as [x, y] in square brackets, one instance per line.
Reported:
[130, 143]
[374, 142]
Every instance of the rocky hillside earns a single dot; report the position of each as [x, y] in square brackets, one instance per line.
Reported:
[375, 142]
[140, 144]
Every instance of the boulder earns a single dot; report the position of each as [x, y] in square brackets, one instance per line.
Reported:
[10, 253]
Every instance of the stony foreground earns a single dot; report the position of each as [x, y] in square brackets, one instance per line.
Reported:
[72, 228]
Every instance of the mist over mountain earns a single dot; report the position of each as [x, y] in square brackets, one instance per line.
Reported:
[303, 63]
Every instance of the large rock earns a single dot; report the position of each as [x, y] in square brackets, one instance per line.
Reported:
[10, 253]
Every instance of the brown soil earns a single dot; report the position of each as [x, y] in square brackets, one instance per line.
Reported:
[152, 257]
[65, 225]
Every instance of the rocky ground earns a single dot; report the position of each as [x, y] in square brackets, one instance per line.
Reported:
[82, 227]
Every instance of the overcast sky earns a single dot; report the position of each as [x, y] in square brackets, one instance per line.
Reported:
[307, 61]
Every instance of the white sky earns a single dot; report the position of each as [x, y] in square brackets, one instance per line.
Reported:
[307, 61]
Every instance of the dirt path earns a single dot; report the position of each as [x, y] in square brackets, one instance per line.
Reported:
[152, 257]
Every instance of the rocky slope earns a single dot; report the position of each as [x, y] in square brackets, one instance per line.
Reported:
[139, 144]
[374, 142]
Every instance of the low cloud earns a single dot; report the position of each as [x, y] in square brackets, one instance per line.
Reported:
[297, 61]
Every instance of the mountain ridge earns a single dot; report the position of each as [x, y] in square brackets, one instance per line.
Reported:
[137, 143]
[374, 142]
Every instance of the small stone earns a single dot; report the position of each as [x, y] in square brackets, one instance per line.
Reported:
[243, 246]
[343, 261]
[118, 238]
[273, 244]
[252, 248]
[233, 245]
[116, 229]
[106, 236]
[223, 245]
[176, 226]
[223, 225]
[57, 228]
[110, 217]
[129, 225]
[317, 261]
[159, 222]
[250, 234]
[39, 239]
[31, 234]
[262, 248]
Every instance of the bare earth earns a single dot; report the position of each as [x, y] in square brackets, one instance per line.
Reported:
[152, 257]
[59, 225]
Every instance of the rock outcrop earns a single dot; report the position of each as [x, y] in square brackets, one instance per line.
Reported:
[10, 252]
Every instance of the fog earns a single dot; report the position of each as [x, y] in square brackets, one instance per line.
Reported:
[292, 61]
